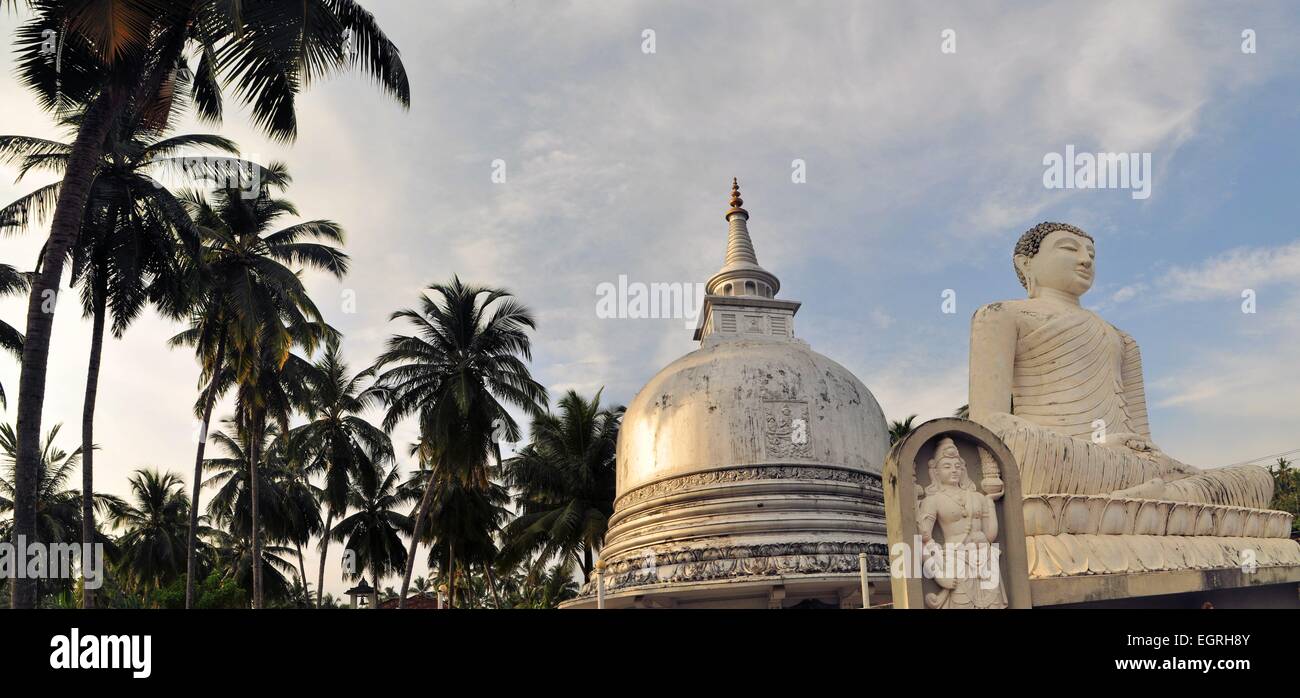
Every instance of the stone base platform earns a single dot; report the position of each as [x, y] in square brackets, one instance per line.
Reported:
[1266, 587]
[813, 591]
[1070, 535]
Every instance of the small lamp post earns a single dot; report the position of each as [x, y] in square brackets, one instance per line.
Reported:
[600, 583]
[866, 586]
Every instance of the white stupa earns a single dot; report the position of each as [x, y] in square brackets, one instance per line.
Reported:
[749, 469]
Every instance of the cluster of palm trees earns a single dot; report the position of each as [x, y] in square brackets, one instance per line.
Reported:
[296, 462]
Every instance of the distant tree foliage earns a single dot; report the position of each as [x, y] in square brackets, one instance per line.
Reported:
[1286, 489]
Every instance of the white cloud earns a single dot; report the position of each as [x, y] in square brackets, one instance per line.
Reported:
[1230, 273]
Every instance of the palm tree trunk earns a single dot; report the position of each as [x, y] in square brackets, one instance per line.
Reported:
[425, 502]
[65, 227]
[253, 456]
[374, 593]
[88, 436]
[587, 564]
[487, 571]
[451, 575]
[209, 400]
[324, 551]
[302, 573]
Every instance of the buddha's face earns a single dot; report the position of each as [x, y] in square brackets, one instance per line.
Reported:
[948, 471]
[1064, 262]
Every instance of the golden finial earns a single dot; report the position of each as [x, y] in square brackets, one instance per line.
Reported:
[736, 201]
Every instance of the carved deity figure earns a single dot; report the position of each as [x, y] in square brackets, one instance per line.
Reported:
[966, 564]
[1064, 389]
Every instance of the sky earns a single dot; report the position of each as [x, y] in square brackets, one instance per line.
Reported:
[920, 132]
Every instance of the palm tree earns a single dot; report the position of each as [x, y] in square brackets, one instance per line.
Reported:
[962, 412]
[12, 282]
[337, 441]
[153, 521]
[249, 303]
[373, 532]
[465, 360]
[541, 587]
[565, 481]
[898, 430]
[268, 390]
[58, 509]
[231, 506]
[128, 60]
[299, 500]
[462, 523]
[135, 242]
[233, 555]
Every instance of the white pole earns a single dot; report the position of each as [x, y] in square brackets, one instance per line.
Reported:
[866, 588]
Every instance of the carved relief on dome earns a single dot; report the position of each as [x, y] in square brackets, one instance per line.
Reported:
[787, 429]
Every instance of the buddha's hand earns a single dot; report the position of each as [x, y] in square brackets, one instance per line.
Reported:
[1131, 441]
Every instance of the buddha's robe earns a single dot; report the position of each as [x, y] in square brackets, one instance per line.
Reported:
[1071, 370]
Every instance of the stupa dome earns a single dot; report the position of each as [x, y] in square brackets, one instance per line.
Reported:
[749, 469]
[731, 403]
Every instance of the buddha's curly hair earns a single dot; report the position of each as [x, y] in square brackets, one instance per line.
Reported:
[1029, 242]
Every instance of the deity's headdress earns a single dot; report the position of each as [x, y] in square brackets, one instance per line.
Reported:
[947, 448]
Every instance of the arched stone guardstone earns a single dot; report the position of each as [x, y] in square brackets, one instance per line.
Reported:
[906, 473]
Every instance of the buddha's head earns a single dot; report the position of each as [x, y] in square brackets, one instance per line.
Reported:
[1057, 256]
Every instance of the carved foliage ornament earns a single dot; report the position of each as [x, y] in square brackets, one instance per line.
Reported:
[787, 429]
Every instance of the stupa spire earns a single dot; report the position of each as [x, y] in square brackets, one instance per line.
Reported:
[741, 274]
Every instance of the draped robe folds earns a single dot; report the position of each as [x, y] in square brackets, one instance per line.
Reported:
[1071, 370]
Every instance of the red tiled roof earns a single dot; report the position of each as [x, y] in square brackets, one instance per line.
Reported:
[413, 601]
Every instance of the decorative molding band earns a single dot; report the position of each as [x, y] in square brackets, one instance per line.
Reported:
[1069, 555]
[674, 564]
[661, 488]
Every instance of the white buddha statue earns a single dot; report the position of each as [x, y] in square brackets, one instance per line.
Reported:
[1063, 388]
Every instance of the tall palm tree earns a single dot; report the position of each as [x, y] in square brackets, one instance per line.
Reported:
[12, 282]
[337, 442]
[153, 521]
[128, 59]
[373, 531]
[456, 374]
[565, 479]
[248, 302]
[136, 239]
[898, 430]
[268, 389]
